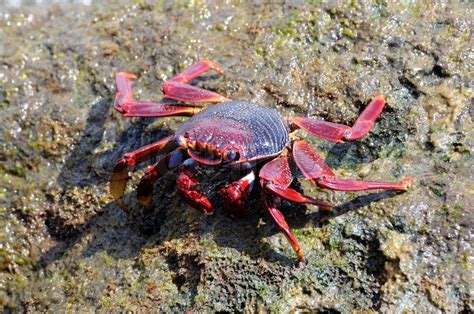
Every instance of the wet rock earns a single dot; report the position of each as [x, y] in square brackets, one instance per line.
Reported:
[66, 246]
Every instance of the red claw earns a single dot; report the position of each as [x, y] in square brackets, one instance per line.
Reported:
[234, 195]
[186, 186]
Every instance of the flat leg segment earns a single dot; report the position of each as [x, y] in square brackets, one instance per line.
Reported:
[271, 205]
[295, 196]
[361, 185]
[157, 110]
[124, 90]
[366, 120]
[329, 131]
[154, 172]
[278, 172]
[340, 133]
[144, 153]
[318, 172]
[196, 70]
[309, 162]
[177, 87]
[125, 104]
[120, 174]
[276, 177]
[188, 93]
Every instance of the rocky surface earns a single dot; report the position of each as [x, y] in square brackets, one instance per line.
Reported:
[65, 245]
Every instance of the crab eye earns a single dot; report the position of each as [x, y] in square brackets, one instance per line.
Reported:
[232, 155]
[186, 135]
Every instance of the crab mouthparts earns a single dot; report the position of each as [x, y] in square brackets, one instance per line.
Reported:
[209, 154]
[205, 157]
[201, 152]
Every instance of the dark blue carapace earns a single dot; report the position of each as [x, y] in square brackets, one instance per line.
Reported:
[254, 132]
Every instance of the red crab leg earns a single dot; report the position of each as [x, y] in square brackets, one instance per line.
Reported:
[154, 172]
[276, 177]
[317, 171]
[125, 104]
[338, 132]
[129, 160]
[187, 185]
[177, 88]
[235, 194]
[271, 205]
[196, 70]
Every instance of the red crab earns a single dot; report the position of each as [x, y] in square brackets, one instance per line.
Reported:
[236, 134]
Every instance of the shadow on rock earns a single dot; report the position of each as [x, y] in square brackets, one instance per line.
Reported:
[245, 233]
[77, 168]
[78, 204]
[121, 232]
[87, 167]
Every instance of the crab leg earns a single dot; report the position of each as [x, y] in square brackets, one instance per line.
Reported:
[318, 172]
[338, 132]
[276, 177]
[271, 205]
[177, 88]
[187, 185]
[129, 160]
[196, 70]
[235, 194]
[156, 171]
[125, 104]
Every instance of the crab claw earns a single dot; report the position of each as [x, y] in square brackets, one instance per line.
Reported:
[186, 185]
[145, 188]
[235, 194]
[119, 179]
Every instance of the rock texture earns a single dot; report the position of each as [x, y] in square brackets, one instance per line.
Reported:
[65, 245]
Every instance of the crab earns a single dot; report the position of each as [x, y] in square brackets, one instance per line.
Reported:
[241, 135]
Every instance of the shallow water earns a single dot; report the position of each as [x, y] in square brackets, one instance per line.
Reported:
[66, 245]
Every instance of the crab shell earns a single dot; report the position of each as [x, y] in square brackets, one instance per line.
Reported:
[235, 131]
